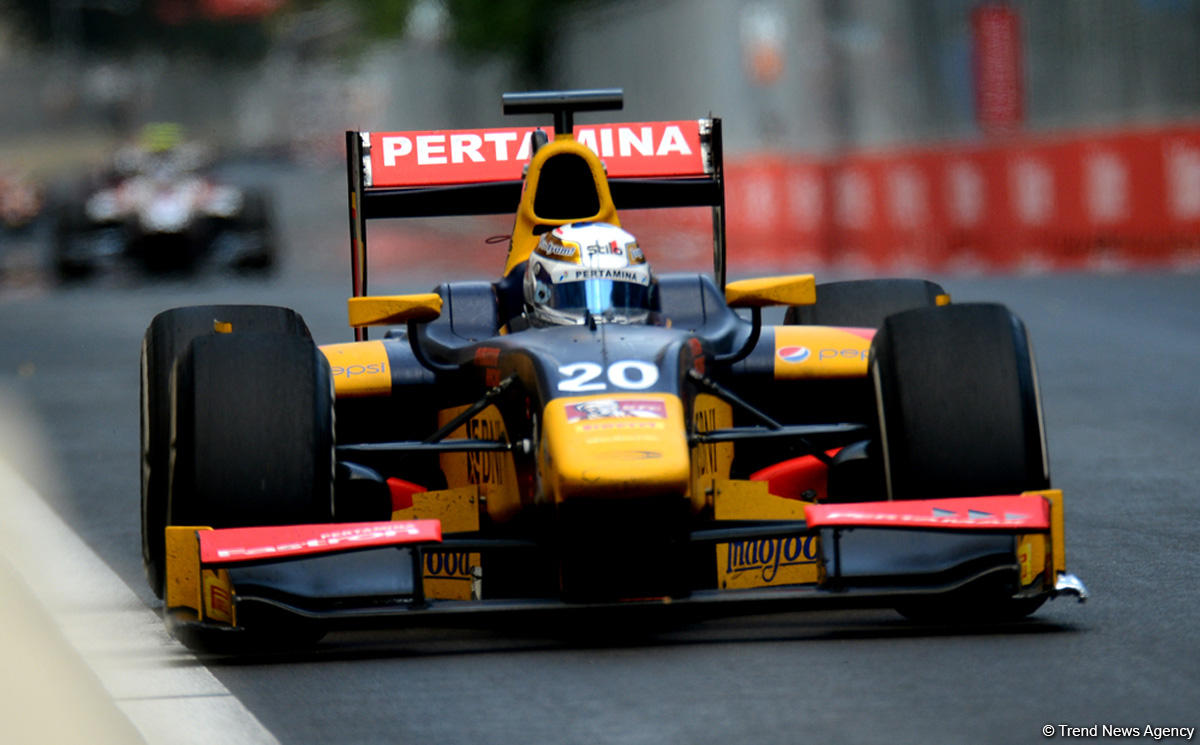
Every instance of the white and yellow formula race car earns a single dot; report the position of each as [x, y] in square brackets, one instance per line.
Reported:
[644, 447]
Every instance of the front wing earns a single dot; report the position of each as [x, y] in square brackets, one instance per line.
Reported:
[873, 554]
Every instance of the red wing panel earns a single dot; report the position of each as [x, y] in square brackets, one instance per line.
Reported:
[979, 513]
[232, 545]
[795, 477]
[432, 158]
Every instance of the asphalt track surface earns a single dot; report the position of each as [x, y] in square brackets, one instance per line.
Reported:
[1119, 358]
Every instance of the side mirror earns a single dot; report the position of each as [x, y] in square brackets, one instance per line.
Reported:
[391, 310]
[793, 289]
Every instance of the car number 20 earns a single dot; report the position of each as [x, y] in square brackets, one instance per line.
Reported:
[584, 376]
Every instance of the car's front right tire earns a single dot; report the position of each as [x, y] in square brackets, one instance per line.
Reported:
[252, 433]
[166, 339]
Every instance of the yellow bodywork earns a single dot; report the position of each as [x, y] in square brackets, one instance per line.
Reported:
[820, 352]
[207, 594]
[793, 289]
[710, 462]
[764, 562]
[449, 575]
[390, 310]
[493, 474]
[1043, 556]
[614, 456]
[359, 368]
[523, 237]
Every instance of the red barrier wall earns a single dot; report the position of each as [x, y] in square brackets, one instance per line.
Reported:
[1124, 199]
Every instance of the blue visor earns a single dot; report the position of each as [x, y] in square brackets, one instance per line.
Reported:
[598, 296]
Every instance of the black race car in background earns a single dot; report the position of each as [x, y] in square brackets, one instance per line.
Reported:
[159, 209]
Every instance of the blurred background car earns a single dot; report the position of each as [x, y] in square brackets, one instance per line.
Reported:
[157, 207]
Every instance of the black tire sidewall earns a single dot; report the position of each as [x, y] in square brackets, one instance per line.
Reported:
[959, 413]
[166, 338]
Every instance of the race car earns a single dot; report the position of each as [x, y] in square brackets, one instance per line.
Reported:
[584, 436]
[159, 210]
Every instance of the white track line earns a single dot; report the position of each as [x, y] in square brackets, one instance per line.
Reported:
[168, 695]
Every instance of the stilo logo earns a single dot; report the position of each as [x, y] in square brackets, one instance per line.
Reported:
[793, 354]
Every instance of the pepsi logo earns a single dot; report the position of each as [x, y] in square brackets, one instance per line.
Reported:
[793, 354]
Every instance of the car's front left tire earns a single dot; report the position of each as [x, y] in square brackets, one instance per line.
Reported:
[960, 416]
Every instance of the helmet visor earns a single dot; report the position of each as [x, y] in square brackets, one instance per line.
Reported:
[600, 297]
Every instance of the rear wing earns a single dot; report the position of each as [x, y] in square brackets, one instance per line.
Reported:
[481, 171]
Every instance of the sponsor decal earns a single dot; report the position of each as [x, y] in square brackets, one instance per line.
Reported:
[246, 544]
[351, 371]
[850, 353]
[821, 352]
[635, 255]
[218, 600]
[486, 467]
[218, 596]
[705, 460]
[616, 408]
[476, 155]
[441, 148]
[766, 556]
[803, 354]
[448, 564]
[605, 249]
[1025, 561]
[794, 354]
[624, 275]
[641, 140]
[551, 250]
[452, 575]
[359, 368]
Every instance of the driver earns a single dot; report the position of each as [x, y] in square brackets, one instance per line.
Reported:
[588, 268]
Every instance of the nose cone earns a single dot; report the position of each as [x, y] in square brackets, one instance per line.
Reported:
[614, 446]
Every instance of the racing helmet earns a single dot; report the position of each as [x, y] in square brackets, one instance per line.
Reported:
[587, 268]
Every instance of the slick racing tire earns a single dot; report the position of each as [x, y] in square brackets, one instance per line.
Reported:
[957, 398]
[864, 303]
[165, 340]
[959, 415]
[253, 433]
[253, 444]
